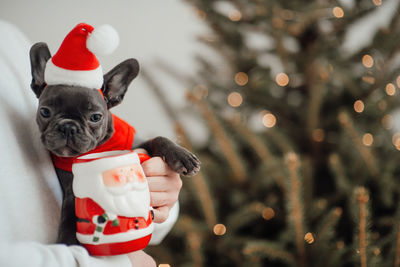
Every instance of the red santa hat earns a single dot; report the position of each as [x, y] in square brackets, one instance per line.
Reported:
[75, 62]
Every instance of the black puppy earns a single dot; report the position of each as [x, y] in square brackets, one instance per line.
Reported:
[74, 120]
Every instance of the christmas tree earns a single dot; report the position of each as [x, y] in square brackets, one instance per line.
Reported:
[302, 165]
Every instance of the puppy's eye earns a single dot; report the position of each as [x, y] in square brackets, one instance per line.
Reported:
[45, 112]
[96, 117]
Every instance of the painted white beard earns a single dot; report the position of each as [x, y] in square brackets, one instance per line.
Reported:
[124, 201]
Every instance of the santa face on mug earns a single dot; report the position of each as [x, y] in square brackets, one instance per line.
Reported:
[125, 191]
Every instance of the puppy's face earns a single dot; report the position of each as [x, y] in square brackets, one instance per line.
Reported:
[73, 120]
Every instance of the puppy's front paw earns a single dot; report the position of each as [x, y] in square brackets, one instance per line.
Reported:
[182, 161]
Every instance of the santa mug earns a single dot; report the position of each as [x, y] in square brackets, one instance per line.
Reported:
[112, 202]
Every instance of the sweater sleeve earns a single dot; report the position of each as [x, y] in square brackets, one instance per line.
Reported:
[38, 255]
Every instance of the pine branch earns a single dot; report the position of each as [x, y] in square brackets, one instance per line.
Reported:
[239, 172]
[244, 215]
[365, 153]
[397, 253]
[280, 139]
[341, 180]
[315, 88]
[261, 150]
[362, 198]
[324, 233]
[201, 189]
[296, 210]
[193, 238]
[270, 250]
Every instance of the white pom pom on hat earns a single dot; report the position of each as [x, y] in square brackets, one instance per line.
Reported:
[103, 40]
[75, 62]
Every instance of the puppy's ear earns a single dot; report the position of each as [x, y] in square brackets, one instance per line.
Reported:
[117, 80]
[39, 55]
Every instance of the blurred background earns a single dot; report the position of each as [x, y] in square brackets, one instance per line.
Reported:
[292, 107]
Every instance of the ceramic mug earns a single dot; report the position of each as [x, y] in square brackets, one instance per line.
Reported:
[112, 202]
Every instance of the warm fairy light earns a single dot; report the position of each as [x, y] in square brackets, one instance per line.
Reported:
[318, 135]
[219, 229]
[241, 78]
[282, 79]
[338, 12]
[235, 99]
[268, 213]
[398, 81]
[377, 2]
[269, 120]
[396, 140]
[309, 238]
[359, 106]
[367, 61]
[367, 139]
[387, 122]
[340, 244]
[164, 265]
[390, 89]
[377, 251]
[235, 15]
[338, 211]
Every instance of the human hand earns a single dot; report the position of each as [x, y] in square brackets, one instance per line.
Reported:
[141, 259]
[164, 185]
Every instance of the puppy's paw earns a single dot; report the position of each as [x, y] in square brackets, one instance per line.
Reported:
[182, 161]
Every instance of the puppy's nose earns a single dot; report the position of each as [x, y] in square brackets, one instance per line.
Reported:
[68, 129]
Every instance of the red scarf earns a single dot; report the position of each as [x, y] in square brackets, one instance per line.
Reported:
[122, 139]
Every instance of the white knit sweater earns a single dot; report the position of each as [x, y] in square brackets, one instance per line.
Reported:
[30, 195]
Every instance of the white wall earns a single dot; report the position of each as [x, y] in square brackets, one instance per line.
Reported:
[149, 30]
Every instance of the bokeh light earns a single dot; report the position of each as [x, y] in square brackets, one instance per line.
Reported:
[241, 78]
[269, 120]
[367, 139]
[235, 99]
[282, 79]
[235, 15]
[367, 61]
[268, 213]
[377, 2]
[358, 106]
[219, 229]
[318, 135]
[338, 12]
[390, 89]
[309, 238]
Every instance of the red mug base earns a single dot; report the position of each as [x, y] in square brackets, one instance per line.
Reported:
[113, 249]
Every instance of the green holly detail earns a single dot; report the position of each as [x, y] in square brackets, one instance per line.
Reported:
[115, 222]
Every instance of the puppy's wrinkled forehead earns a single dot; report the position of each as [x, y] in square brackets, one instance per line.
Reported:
[72, 99]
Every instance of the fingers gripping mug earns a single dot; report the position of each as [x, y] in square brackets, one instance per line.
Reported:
[112, 202]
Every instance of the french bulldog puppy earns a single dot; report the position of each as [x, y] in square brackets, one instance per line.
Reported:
[74, 120]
